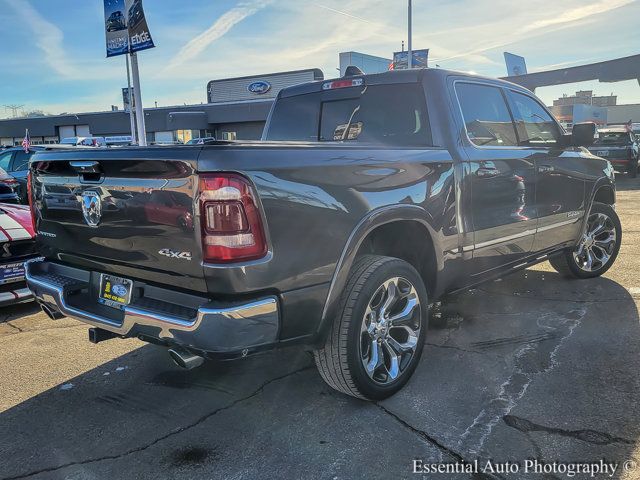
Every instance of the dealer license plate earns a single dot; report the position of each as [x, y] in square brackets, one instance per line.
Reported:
[115, 291]
[11, 272]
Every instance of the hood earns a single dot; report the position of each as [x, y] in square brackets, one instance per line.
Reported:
[15, 223]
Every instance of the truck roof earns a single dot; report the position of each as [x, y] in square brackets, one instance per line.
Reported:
[393, 76]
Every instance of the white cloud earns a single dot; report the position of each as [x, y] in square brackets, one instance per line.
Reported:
[576, 14]
[49, 38]
[216, 31]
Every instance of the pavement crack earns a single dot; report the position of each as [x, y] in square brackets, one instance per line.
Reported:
[586, 435]
[531, 360]
[457, 457]
[548, 299]
[19, 330]
[453, 347]
[172, 433]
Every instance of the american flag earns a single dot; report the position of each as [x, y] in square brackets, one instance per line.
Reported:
[26, 143]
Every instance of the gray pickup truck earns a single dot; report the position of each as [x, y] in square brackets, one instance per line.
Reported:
[369, 198]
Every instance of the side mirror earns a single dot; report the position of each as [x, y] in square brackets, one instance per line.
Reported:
[583, 134]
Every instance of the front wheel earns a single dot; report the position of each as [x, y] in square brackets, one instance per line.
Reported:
[597, 249]
[376, 340]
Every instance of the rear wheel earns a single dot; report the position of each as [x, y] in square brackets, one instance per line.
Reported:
[377, 338]
[598, 246]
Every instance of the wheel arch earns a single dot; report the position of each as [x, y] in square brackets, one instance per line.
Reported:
[606, 194]
[378, 233]
[604, 191]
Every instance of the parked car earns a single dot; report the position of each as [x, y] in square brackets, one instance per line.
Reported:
[371, 197]
[14, 162]
[116, 22]
[18, 245]
[201, 141]
[84, 142]
[620, 147]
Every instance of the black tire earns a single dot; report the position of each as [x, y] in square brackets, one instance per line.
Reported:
[566, 263]
[340, 359]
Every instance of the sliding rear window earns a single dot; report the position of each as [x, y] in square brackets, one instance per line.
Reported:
[392, 115]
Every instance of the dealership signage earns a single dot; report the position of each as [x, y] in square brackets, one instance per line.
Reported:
[126, 27]
[259, 88]
[126, 101]
[401, 59]
[516, 65]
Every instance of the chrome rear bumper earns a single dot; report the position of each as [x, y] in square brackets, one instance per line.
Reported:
[212, 327]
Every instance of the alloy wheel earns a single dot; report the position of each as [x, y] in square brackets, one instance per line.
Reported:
[597, 245]
[390, 330]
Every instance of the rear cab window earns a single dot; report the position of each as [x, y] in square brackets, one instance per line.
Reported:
[390, 115]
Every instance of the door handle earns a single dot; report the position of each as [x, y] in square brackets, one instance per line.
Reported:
[546, 169]
[86, 166]
[487, 172]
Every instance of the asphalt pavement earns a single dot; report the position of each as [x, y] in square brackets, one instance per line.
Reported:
[530, 367]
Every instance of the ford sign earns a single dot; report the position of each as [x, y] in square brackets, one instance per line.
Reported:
[259, 88]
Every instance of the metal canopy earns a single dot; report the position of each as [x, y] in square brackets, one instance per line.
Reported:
[627, 68]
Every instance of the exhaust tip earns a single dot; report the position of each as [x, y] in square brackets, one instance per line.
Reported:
[184, 359]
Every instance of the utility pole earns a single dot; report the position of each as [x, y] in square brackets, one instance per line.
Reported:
[410, 43]
[14, 109]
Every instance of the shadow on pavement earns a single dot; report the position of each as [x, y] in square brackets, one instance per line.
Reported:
[533, 366]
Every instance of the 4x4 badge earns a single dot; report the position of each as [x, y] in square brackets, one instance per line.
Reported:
[167, 252]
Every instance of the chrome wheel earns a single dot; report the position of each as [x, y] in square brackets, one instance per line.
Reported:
[597, 245]
[390, 330]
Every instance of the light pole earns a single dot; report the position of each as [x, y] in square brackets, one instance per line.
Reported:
[410, 43]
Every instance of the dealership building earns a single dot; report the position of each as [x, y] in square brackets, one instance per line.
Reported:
[236, 108]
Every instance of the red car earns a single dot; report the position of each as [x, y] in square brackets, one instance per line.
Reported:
[17, 245]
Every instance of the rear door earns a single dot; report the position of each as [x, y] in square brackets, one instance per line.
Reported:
[501, 178]
[560, 188]
[131, 212]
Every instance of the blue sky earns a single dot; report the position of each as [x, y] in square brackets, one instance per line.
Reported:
[52, 52]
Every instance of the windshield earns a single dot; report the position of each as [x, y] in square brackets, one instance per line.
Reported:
[613, 138]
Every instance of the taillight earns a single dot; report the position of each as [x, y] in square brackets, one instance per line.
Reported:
[31, 206]
[232, 227]
[8, 180]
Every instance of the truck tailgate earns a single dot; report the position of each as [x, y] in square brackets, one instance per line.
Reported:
[127, 211]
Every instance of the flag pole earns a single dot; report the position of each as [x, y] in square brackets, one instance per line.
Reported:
[131, 114]
[410, 43]
[142, 131]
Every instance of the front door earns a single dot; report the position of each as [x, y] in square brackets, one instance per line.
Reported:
[502, 179]
[560, 188]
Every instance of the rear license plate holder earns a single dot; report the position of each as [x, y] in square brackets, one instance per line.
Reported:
[115, 291]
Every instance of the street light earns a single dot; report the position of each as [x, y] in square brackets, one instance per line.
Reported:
[410, 50]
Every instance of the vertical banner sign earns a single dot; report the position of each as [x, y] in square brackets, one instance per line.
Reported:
[116, 28]
[126, 27]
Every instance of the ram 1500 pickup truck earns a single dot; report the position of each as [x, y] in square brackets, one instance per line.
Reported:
[369, 198]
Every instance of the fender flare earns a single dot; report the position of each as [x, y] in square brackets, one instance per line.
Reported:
[373, 220]
[603, 182]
